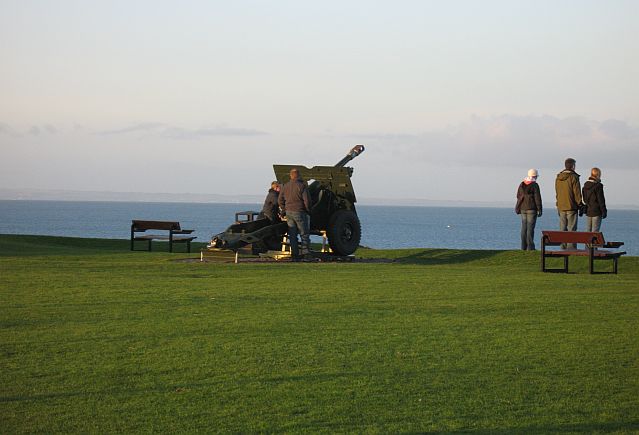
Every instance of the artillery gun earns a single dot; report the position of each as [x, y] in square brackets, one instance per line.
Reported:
[332, 214]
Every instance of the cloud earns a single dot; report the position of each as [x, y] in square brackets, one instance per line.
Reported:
[173, 132]
[511, 140]
[228, 131]
[5, 129]
[183, 133]
[141, 127]
[34, 130]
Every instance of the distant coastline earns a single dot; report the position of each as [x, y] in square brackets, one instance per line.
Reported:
[212, 198]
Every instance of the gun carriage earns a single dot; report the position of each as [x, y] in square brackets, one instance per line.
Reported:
[332, 213]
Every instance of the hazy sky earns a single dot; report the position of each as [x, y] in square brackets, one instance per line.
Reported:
[454, 99]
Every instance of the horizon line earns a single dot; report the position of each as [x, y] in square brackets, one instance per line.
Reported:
[38, 194]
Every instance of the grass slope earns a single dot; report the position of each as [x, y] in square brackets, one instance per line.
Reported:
[94, 338]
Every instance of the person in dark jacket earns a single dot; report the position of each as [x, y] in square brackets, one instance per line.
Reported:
[295, 203]
[271, 209]
[593, 196]
[529, 207]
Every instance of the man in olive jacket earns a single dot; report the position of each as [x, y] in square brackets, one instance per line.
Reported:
[568, 191]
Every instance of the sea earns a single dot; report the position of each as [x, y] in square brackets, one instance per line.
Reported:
[383, 227]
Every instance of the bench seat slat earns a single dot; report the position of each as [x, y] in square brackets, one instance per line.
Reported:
[583, 253]
[158, 237]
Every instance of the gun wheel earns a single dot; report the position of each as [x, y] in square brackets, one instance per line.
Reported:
[344, 232]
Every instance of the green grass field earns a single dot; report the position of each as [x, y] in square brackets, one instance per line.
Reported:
[95, 338]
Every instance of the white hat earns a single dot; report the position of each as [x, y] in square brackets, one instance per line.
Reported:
[533, 173]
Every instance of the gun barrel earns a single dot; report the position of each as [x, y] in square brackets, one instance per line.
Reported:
[354, 152]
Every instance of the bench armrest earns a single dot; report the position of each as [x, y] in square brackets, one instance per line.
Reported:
[613, 244]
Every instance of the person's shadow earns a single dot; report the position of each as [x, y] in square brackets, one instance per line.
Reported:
[445, 256]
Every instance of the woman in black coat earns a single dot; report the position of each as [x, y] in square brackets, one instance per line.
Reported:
[593, 197]
[270, 209]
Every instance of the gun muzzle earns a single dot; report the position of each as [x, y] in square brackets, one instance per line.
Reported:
[354, 152]
[357, 150]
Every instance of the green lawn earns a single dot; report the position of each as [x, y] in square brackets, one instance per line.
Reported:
[95, 338]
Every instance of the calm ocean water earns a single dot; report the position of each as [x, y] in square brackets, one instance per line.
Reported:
[382, 226]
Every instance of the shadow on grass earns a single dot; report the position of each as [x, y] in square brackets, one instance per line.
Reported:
[446, 256]
[123, 394]
[607, 427]
[603, 427]
[19, 245]
[179, 387]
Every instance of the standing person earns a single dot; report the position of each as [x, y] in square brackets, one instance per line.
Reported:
[593, 196]
[295, 202]
[529, 207]
[568, 192]
[271, 209]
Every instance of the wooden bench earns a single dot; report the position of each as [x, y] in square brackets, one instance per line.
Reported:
[595, 248]
[173, 228]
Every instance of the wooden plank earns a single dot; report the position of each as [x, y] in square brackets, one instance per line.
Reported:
[580, 253]
[155, 225]
[157, 237]
[558, 237]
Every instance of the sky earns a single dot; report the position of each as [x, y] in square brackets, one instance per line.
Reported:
[454, 100]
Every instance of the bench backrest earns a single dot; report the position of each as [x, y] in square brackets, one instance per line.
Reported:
[559, 237]
[154, 225]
